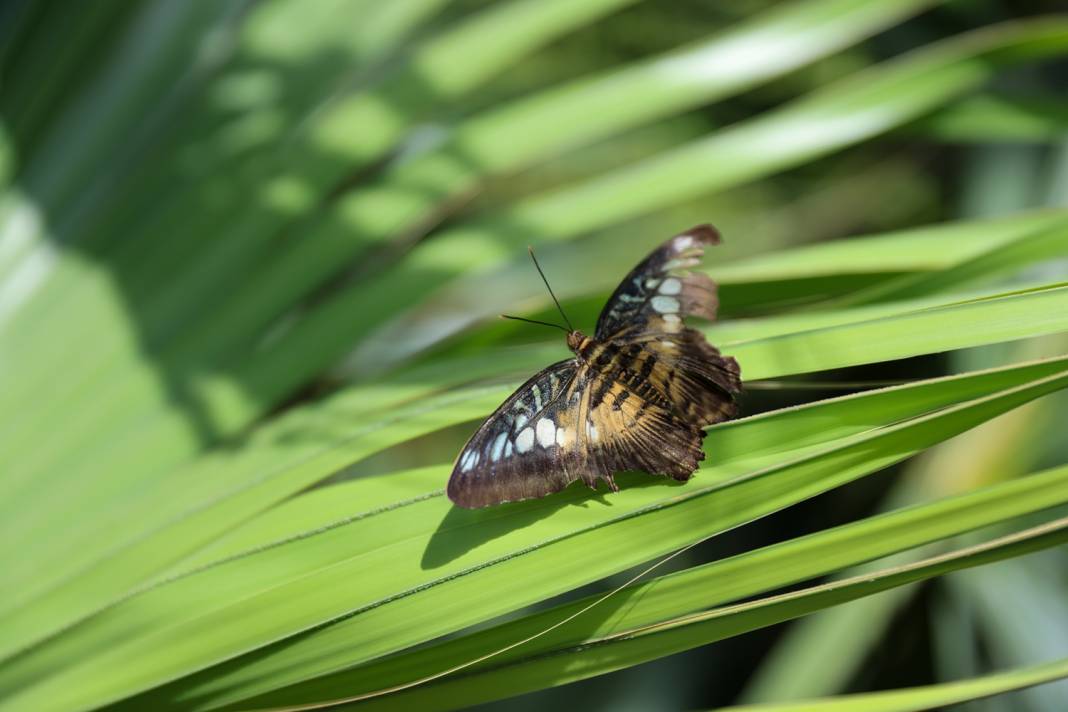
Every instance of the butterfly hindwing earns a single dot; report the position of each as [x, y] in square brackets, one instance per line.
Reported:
[698, 381]
[659, 292]
[525, 449]
[627, 425]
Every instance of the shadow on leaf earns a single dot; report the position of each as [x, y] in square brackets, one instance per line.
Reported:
[463, 530]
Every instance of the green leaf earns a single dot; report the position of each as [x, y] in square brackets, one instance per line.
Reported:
[928, 248]
[862, 107]
[642, 604]
[534, 128]
[361, 127]
[215, 212]
[820, 341]
[994, 117]
[1043, 244]
[440, 569]
[648, 642]
[499, 140]
[930, 696]
[840, 268]
[195, 505]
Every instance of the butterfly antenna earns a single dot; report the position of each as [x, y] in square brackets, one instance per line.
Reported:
[532, 321]
[568, 321]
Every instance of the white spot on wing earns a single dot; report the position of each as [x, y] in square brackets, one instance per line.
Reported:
[561, 436]
[498, 447]
[591, 431]
[665, 305]
[546, 432]
[469, 460]
[683, 241]
[671, 285]
[537, 398]
[521, 420]
[672, 318]
[525, 440]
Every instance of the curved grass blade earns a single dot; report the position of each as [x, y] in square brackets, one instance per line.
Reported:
[929, 696]
[1048, 243]
[816, 347]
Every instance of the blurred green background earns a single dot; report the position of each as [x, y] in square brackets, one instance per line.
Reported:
[216, 215]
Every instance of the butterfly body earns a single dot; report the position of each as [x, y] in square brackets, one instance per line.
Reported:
[619, 371]
[636, 395]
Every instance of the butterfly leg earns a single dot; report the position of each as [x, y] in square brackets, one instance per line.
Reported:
[591, 477]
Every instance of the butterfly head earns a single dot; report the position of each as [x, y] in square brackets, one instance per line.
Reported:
[576, 340]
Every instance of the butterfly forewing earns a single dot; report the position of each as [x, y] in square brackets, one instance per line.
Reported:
[647, 309]
[523, 450]
[657, 293]
[628, 426]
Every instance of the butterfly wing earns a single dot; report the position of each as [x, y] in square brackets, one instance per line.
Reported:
[628, 425]
[645, 315]
[526, 448]
[642, 410]
[657, 293]
[569, 423]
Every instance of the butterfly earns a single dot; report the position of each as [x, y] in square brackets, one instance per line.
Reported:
[635, 396]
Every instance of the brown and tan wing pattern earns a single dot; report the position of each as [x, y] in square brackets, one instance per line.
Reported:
[629, 426]
[657, 293]
[699, 382]
[570, 423]
[524, 449]
[643, 322]
[636, 399]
